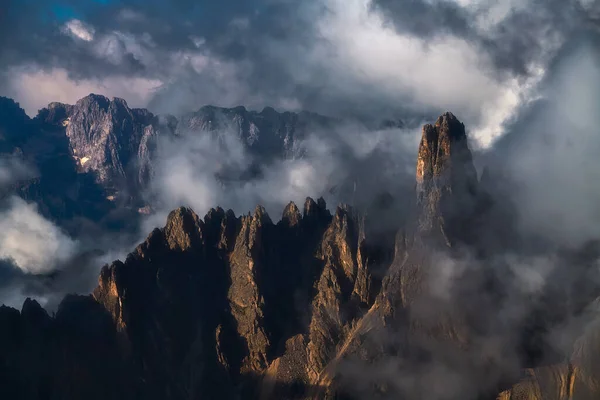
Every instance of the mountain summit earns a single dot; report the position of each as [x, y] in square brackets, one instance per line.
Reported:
[446, 177]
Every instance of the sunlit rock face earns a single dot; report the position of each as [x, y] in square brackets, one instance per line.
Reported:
[111, 139]
[217, 306]
[446, 178]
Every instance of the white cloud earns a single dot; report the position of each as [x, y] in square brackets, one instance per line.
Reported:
[555, 156]
[31, 241]
[35, 88]
[78, 29]
[446, 73]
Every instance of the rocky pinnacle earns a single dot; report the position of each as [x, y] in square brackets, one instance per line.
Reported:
[446, 178]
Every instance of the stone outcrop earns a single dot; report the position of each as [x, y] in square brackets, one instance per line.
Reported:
[108, 138]
[446, 179]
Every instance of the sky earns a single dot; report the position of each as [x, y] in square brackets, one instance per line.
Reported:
[484, 60]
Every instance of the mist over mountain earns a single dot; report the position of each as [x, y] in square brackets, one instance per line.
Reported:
[100, 170]
[326, 199]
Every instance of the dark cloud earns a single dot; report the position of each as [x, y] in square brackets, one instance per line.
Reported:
[360, 58]
[426, 18]
[37, 38]
[232, 28]
[288, 54]
[549, 151]
[527, 31]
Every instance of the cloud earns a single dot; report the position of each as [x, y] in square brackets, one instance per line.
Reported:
[13, 169]
[201, 170]
[34, 244]
[79, 30]
[345, 163]
[516, 36]
[550, 152]
[407, 69]
[481, 59]
[35, 87]
[476, 323]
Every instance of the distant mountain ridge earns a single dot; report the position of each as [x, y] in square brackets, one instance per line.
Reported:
[119, 143]
[102, 153]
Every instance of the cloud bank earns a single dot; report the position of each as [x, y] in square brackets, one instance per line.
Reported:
[549, 152]
[481, 59]
[33, 243]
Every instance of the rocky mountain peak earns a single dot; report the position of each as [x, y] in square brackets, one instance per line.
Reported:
[55, 114]
[268, 111]
[451, 126]
[291, 215]
[314, 210]
[32, 310]
[261, 216]
[93, 100]
[444, 153]
[446, 177]
[113, 141]
[119, 102]
[183, 230]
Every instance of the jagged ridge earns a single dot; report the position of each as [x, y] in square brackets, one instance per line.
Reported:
[227, 293]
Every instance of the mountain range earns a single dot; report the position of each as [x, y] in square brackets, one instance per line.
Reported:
[321, 304]
[95, 160]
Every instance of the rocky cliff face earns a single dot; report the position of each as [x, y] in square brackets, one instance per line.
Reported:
[267, 134]
[106, 136]
[109, 139]
[319, 305]
[446, 179]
